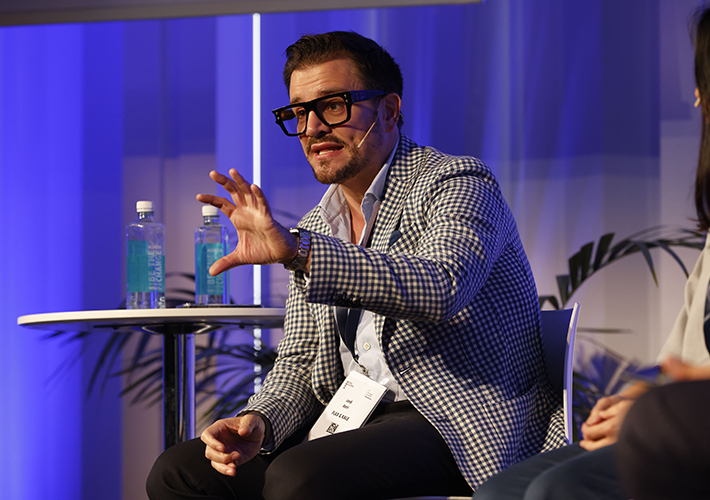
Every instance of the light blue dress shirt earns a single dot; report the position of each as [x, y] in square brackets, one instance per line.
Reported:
[335, 212]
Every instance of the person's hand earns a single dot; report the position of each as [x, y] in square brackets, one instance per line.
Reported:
[233, 441]
[680, 371]
[602, 427]
[262, 240]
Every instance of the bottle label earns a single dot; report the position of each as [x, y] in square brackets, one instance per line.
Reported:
[206, 255]
[145, 267]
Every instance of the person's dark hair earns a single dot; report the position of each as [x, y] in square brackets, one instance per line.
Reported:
[377, 69]
[702, 81]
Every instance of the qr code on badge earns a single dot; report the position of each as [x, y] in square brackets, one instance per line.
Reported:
[332, 428]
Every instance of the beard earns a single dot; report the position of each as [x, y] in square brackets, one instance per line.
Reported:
[359, 159]
[326, 175]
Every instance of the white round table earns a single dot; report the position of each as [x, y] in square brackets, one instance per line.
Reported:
[178, 328]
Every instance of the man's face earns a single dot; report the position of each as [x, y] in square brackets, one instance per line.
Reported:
[332, 151]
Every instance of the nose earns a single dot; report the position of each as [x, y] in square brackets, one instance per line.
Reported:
[314, 126]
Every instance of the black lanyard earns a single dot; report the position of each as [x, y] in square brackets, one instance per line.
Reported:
[348, 320]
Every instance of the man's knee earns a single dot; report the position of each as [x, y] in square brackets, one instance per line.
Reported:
[294, 476]
[166, 476]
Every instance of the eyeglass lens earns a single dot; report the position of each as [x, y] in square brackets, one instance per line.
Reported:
[331, 111]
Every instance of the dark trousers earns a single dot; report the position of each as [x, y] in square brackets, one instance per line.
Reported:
[398, 453]
[569, 473]
[664, 445]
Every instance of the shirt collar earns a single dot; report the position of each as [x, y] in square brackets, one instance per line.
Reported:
[334, 207]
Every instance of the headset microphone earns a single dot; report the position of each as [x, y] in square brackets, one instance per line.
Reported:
[369, 129]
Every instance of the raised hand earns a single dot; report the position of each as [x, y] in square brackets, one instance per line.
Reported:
[262, 240]
[233, 441]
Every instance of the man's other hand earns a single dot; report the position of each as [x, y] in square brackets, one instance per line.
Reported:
[233, 441]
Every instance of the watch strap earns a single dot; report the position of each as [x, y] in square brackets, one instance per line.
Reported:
[304, 248]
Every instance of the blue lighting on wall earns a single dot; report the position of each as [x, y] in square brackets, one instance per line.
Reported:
[40, 257]
[545, 91]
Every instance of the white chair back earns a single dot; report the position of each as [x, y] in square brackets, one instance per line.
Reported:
[559, 329]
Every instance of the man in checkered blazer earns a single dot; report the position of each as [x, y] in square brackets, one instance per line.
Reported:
[411, 272]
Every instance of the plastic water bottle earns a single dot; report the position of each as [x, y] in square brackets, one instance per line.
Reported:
[211, 244]
[145, 260]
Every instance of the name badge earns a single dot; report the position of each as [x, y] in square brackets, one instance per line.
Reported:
[350, 407]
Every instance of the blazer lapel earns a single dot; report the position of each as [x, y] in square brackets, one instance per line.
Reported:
[400, 181]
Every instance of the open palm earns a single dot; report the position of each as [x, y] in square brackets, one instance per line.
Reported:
[261, 239]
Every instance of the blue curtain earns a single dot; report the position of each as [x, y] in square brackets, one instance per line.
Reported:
[562, 99]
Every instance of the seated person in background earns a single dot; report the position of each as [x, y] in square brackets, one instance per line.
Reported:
[411, 272]
[664, 444]
[588, 470]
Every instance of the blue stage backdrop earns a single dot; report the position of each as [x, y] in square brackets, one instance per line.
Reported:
[582, 109]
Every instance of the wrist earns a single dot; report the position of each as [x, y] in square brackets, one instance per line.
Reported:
[299, 262]
[267, 425]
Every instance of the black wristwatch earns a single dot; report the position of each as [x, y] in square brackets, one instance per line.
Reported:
[304, 248]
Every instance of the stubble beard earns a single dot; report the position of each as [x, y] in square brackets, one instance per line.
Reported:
[357, 163]
[325, 175]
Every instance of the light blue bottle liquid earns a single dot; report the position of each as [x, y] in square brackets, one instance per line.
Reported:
[211, 244]
[145, 260]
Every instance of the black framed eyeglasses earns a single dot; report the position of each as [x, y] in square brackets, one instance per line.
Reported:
[332, 110]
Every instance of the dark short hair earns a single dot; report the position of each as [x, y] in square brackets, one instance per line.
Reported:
[376, 67]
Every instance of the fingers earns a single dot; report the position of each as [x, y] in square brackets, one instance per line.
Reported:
[249, 424]
[226, 469]
[237, 187]
[243, 194]
[260, 198]
[222, 460]
[217, 457]
[597, 431]
[605, 432]
[217, 201]
[233, 441]
[680, 371]
[210, 436]
[225, 263]
[617, 410]
[595, 445]
[601, 405]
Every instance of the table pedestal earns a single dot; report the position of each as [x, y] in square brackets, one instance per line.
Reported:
[178, 372]
[178, 328]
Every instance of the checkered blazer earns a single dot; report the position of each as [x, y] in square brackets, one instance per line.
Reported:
[455, 310]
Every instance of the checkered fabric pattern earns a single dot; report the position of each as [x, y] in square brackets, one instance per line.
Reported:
[455, 309]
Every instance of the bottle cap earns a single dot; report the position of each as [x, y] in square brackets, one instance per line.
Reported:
[144, 206]
[209, 211]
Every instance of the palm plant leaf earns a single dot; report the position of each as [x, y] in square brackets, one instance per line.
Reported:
[107, 358]
[643, 248]
[674, 255]
[149, 384]
[581, 267]
[563, 285]
[602, 250]
[552, 299]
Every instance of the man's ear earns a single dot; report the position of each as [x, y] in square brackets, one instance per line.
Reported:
[391, 105]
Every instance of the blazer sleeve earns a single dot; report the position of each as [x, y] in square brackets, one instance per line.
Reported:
[287, 398]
